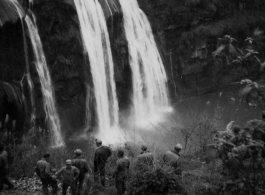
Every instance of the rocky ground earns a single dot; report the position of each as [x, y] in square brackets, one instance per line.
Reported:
[32, 186]
[25, 186]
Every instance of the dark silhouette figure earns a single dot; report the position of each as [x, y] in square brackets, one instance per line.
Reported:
[43, 170]
[4, 169]
[102, 153]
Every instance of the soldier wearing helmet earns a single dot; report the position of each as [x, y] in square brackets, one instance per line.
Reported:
[144, 149]
[121, 171]
[69, 175]
[256, 124]
[171, 158]
[102, 153]
[145, 159]
[236, 138]
[43, 170]
[82, 166]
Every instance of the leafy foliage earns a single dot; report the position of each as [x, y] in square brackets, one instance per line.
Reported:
[154, 182]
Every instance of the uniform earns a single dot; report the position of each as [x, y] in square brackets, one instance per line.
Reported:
[171, 158]
[102, 153]
[69, 176]
[82, 166]
[120, 173]
[4, 171]
[43, 170]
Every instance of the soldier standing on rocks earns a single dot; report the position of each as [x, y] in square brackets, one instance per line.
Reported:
[69, 175]
[43, 170]
[102, 154]
[82, 166]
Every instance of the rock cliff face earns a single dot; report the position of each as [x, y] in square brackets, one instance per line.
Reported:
[59, 31]
[186, 34]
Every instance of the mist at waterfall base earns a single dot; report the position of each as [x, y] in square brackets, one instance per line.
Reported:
[153, 130]
[164, 133]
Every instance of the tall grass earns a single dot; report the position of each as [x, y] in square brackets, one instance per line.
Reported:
[24, 156]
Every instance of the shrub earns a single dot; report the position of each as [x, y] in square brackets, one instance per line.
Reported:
[200, 131]
[159, 180]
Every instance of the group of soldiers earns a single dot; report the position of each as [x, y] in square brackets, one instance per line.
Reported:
[73, 173]
[240, 146]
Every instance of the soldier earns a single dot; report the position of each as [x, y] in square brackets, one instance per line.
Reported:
[251, 124]
[69, 175]
[145, 159]
[258, 134]
[121, 171]
[102, 153]
[43, 170]
[82, 166]
[144, 149]
[4, 170]
[255, 162]
[236, 138]
[171, 158]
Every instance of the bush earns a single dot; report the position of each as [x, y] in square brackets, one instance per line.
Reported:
[156, 181]
[200, 131]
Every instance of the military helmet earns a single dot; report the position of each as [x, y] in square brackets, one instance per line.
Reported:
[68, 162]
[178, 146]
[78, 151]
[98, 141]
[236, 129]
[144, 147]
[120, 153]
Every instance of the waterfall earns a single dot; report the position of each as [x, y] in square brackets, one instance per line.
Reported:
[97, 46]
[150, 95]
[28, 76]
[46, 84]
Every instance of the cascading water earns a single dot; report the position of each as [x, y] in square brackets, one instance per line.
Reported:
[28, 76]
[150, 94]
[97, 46]
[46, 84]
